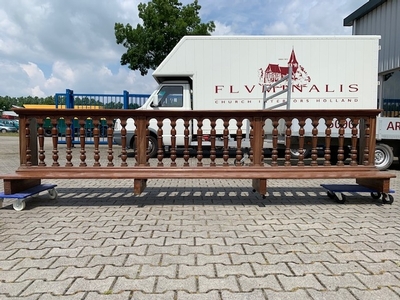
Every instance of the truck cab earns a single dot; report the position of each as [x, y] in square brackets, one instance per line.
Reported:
[170, 95]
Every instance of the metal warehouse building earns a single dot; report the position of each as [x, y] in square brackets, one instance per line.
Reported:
[382, 17]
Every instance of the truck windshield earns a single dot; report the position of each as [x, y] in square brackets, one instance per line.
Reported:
[170, 96]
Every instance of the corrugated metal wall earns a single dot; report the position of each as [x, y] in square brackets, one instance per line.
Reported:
[384, 21]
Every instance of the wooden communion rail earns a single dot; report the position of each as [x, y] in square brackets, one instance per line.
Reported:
[99, 161]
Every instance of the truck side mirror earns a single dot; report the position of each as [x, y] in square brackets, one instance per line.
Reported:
[154, 103]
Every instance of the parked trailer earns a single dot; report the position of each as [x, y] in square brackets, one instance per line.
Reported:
[233, 72]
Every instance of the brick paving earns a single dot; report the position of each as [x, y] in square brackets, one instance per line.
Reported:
[197, 239]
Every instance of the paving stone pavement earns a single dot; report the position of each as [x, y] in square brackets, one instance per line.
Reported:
[197, 239]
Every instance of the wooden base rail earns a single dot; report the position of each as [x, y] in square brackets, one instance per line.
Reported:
[44, 158]
[366, 176]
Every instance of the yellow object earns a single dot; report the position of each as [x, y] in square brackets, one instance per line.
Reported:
[50, 106]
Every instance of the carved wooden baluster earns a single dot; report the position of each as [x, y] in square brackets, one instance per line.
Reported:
[160, 152]
[239, 137]
[148, 144]
[288, 133]
[251, 137]
[262, 150]
[213, 152]
[173, 142]
[124, 154]
[42, 155]
[354, 138]
[199, 143]
[274, 155]
[96, 139]
[342, 123]
[110, 152]
[226, 143]
[82, 140]
[328, 132]
[302, 123]
[54, 132]
[367, 137]
[28, 151]
[68, 132]
[314, 151]
[135, 143]
[186, 141]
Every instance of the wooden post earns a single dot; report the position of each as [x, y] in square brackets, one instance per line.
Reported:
[33, 141]
[257, 141]
[142, 144]
[141, 141]
[260, 186]
[22, 140]
[138, 186]
[257, 145]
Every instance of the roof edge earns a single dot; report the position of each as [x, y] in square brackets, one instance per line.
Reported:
[362, 11]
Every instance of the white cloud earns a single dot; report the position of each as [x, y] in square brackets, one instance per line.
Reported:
[47, 46]
[222, 29]
[37, 92]
[275, 17]
[34, 73]
[65, 72]
[277, 28]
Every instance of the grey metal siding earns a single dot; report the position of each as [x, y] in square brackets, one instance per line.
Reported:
[384, 21]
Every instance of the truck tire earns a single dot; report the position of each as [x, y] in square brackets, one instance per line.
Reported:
[153, 148]
[47, 132]
[383, 156]
[294, 153]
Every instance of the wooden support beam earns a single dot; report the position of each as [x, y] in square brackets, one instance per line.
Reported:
[260, 186]
[13, 186]
[139, 185]
[379, 184]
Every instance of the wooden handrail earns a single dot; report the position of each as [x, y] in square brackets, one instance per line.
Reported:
[363, 124]
[193, 114]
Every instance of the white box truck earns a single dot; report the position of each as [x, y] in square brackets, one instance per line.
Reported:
[231, 72]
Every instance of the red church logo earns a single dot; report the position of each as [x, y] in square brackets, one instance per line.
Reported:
[275, 72]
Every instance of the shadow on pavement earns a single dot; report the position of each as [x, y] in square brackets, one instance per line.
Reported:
[226, 196]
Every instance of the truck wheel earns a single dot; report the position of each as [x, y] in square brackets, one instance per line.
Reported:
[294, 153]
[152, 146]
[383, 156]
[47, 132]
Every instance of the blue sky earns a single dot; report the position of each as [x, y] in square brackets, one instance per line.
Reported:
[47, 46]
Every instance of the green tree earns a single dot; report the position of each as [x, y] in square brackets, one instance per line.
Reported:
[165, 22]
[48, 100]
[7, 102]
